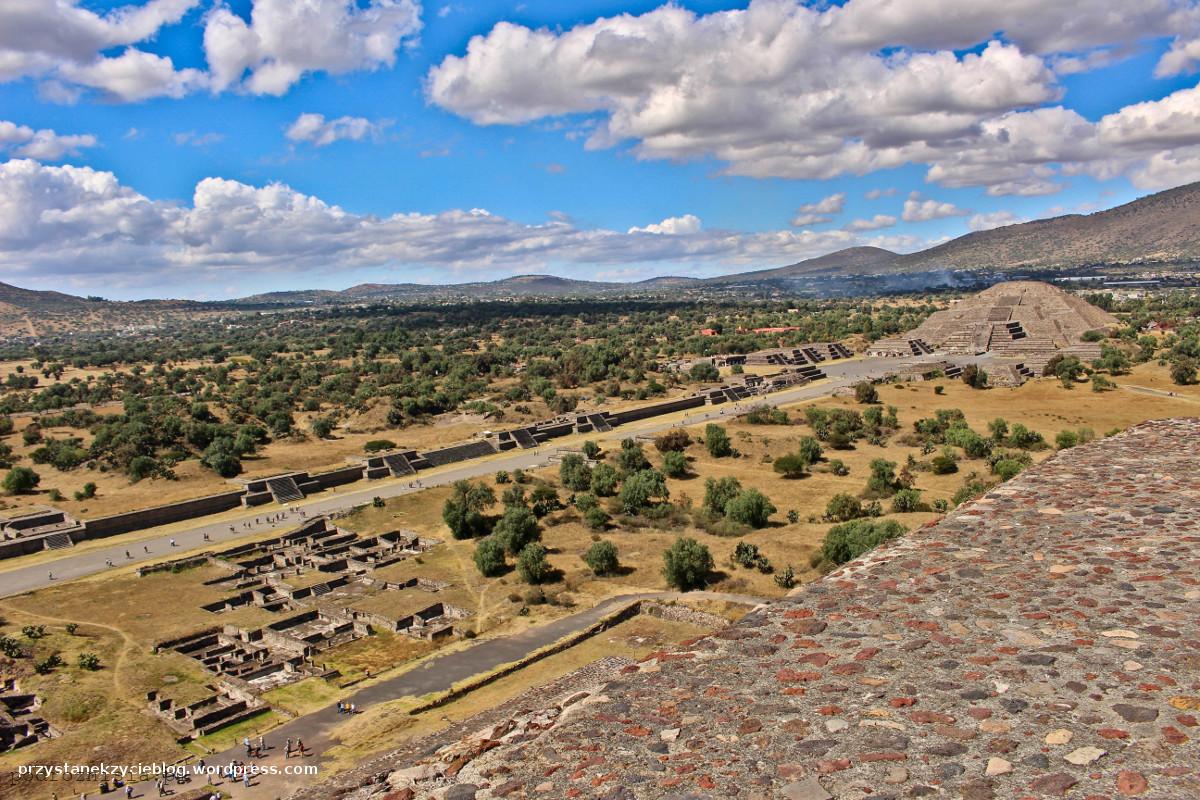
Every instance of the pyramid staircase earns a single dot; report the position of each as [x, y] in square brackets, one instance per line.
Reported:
[398, 464]
[599, 423]
[58, 541]
[284, 489]
[524, 438]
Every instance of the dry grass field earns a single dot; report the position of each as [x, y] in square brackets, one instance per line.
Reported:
[102, 713]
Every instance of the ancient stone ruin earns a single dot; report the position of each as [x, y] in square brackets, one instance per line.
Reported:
[1041, 641]
[20, 723]
[1026, 321]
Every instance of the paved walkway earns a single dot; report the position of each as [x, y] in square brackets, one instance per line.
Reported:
[436, 674]
[227, 530]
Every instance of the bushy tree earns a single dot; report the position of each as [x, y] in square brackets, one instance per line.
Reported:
[591, 449]
[604, 480]
[641, 489]
[322, 427]
[601, 558]
[516, 528]
[865, 393]
[716, 440]
[632, 457]
[532, 565]
[574, 473]
[906, 501]
[489, 556]
[791, 465]
[750, 507]
[544, 499]
[704, 372]
[222, 458]
[849, 540]
[1183, 372]
[719, 491]
[463, 510]
[1006, 468]
[20, 480]
[810, 449]
[674, 464]
[674, 440]
[882, 481]
[687, 564]
[843, 507]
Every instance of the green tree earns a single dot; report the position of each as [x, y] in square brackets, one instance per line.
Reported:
[1183, 372]
[809, 449]
[1066, 440]
[463, 510]
[20, 480]
[843, 507]
[687, 564]
[865, 393]
[676, 439]
[882, 481]
[1006, 468]
[849, 540]
[998, 428]
[717, 441]
[751, 507]
[532, 565]
[704, 372]
[591, 449]
[574, 473]
[322, 427]
[601, 558]
[906, 501]
[517, 527]
[489, 556]
[641, 489]
[221, 457]
[632, 457]
[791, 465]
[604, 480]
[674, 464]
[544, 499]
[719, 491]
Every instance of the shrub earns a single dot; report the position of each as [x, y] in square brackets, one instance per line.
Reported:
[944, 464]
[516, 528]
[1066, 440]
[971, 489]
[843, 507]
[674, 464]
[641, 489]
[601, 558]
[489, 556]
[791, 465]
[786, 579]
[89, 661]
[718, 492]
[906, 501]
[378, 502]
[532, 565]
[810, 449]
[838, 467]
[687, 564]
[674, 440]
[87, 492]
[48, 664]
[591, 449]
[864, 392]
[322, 427]
[377, 445]
[716, 440]
[574, 473]
[604, 480]
[750, 507]
[849, 540]
[596, 518]
[766, 415]
[544, 499]
[1183, 372]
[974, 377]
[463, 509]
[20, 480]
[882, 481]
[632, 457]
[502, 476]
[1006, 468]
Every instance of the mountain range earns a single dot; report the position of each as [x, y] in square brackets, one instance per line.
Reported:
[1158, 230]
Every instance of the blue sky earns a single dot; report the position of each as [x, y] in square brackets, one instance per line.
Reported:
[161, 148]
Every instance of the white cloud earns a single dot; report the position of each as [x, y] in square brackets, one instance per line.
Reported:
[875, 194]
[198, 139]
[43, 145]
[919, 209]
[992, 219]
[319, 132]
[285, 40]
[819, 212]
[672, 226]
[813, 91]
[63, 43]
[76, 223]
[873, 224]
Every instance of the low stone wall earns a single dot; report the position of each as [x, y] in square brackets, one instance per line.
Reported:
[161, 515]
[656, 410]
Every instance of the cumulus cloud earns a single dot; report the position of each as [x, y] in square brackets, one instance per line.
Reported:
[82, 224]
[819, 212]
[319, 132]
[672, 226]
[875, 194]
[44, 144]
[993, 219]
[873, 224]
[63, 44]
[808, 91]
[70, 49]
[920, 209]
[285, 40]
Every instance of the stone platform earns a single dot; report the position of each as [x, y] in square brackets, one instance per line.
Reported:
[1043, 641]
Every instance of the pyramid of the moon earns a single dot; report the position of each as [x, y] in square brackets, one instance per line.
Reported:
[1022, 319]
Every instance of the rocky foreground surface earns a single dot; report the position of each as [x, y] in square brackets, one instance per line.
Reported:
[1040, 642]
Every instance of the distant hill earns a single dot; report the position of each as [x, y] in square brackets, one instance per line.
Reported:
[1162, 228]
